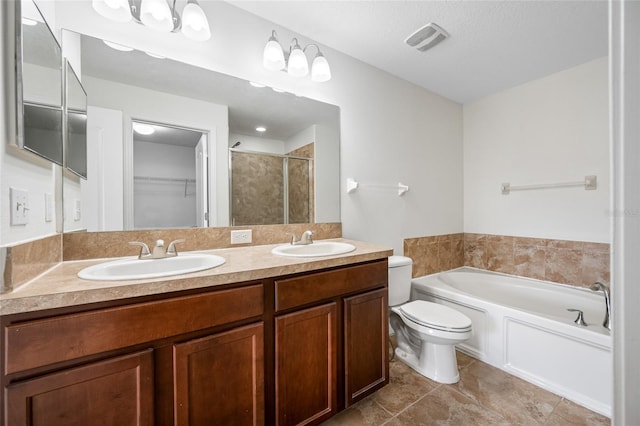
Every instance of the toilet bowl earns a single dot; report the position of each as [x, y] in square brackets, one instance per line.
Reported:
[426, 332]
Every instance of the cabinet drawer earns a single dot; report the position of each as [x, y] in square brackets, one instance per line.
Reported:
[41, 342]
[325, 285]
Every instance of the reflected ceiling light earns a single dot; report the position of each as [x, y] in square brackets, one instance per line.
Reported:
[29, 22]
[295, 61]
[158, 15]
[277, 89]
[258, 85]
[117, 46]
[143, 129]
[261, 129]
[153, 55]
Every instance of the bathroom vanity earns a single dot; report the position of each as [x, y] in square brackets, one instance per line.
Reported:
[259, 340]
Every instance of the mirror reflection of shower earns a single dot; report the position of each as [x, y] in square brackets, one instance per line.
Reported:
[170, 176]
[269, 187]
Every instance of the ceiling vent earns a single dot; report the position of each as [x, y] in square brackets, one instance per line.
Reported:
[427, 37]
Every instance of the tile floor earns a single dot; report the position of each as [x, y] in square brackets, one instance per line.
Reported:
[485, 395]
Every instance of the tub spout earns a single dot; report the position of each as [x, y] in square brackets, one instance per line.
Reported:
[607, 300]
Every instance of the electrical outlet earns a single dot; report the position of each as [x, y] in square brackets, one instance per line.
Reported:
[241, 236]
[19, 200]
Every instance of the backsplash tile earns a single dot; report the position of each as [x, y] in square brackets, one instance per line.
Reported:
[575, 263]
[27, 260]
[94, 245]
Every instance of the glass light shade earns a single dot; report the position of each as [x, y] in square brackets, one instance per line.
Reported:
[320, 70]
[273, 56]
[298, 65]
[194, 22]
[116, 10]
[156, 14]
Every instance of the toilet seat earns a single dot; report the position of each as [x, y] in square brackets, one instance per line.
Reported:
[436, 316]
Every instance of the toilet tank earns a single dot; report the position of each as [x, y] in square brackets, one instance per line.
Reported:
[399, 279]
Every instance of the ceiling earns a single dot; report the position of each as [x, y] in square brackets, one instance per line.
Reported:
[492, 45]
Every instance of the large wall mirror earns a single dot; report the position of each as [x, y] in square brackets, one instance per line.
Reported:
[125, 87]
[39, 84]
[76, 123]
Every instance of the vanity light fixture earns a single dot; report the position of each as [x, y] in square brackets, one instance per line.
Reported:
[158, 15]
[295, 61]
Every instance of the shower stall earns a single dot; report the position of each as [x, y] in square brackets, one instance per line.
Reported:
[270, 189]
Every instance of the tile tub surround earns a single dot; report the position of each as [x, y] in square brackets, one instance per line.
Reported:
[575, 263]
[22, 262]
[485, 395]
[60, 287]
[435, 253]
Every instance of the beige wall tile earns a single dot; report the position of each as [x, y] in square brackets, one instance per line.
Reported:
[92, 245]
[26, 261]
[575, 263]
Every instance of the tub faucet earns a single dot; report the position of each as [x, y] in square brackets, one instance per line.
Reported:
[305, 239]
[607, 300]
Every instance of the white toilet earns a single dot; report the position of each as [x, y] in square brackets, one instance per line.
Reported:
[426, 332]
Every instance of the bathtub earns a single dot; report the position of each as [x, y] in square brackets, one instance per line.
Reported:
[522, 326]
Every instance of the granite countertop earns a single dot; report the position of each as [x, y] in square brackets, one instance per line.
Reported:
[60, 287]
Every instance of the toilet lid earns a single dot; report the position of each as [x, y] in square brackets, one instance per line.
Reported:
[436, 316]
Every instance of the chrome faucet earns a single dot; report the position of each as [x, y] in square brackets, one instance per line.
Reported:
[607, 300]
[159, 251]
[305, 239]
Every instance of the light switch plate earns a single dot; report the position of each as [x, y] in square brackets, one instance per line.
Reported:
[48, 207]
[77, 209]
[19, 202]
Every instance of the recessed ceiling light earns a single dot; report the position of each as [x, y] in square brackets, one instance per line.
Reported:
[259, 85]
[118, 46]
[153, 55]
[29, 22]
[143, 129]
[261, 129]
[275, 89]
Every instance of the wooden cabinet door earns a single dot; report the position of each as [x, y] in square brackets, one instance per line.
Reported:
[117, 391]
[306, 370]
[219, 379]
[366, 337]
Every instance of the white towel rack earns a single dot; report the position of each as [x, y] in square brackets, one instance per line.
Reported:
[352, 185]
[589, 183]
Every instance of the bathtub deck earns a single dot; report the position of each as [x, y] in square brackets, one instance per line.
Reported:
[485, 395]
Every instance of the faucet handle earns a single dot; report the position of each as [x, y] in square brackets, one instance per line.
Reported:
[171, 249]
[580, 319]
[293, 237]
[144, 249]
[307, 237]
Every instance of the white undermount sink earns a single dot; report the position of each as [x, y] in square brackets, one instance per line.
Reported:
[317, 248]
[132, 268]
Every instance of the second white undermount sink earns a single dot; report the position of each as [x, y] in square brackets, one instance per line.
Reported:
[317, 248]
[132, 268]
